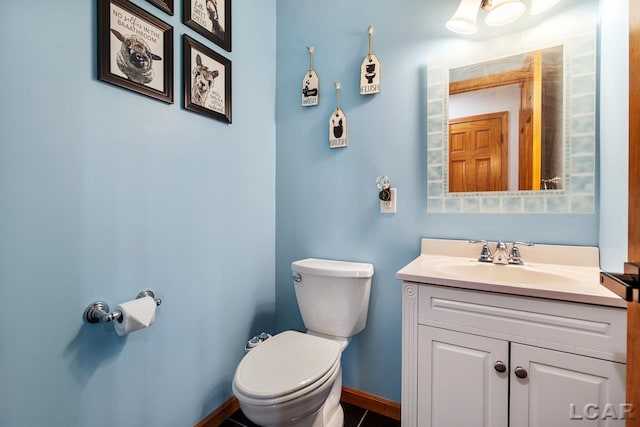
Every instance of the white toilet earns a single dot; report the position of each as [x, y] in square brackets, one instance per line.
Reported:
[295, 379]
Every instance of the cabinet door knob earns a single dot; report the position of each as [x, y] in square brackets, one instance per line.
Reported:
[499, 366]
[521, 372]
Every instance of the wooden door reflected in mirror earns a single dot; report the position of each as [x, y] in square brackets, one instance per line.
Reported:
[478, 153]
[527, 152]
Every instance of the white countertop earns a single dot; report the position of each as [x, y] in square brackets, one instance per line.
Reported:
[567, 273]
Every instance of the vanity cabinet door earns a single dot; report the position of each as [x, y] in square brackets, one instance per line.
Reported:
[561, 389]
[460, 383]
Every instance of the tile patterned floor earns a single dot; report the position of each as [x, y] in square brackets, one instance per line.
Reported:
[353, 417]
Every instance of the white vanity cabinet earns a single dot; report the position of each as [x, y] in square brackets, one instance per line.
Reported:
[457, 385]
[476, 358]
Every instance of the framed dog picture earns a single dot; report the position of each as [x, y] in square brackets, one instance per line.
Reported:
[135, 49]
[207, 81]
[166, 5]
[211, 18]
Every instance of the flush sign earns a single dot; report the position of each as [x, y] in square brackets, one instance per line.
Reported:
[370, 75]
[370, 70]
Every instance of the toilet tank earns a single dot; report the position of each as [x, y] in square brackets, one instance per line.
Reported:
[333, 296]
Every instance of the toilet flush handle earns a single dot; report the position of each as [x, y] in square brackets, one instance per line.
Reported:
[297, 277]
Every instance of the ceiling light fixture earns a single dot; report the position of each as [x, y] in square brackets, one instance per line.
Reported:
[503, 12]
[539, 6]
[464, 20]
[499, 12]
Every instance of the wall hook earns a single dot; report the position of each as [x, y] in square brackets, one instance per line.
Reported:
[370, 41]
[310, 49]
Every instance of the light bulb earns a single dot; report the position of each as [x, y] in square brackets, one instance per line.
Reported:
[464, 20]
[539, 6]
[504, 12]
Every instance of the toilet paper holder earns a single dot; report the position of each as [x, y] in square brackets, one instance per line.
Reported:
[98, 312]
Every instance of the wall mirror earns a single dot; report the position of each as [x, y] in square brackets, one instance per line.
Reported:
[506, 123]
[512, 129]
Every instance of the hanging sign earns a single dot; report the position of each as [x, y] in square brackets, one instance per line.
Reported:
[370, 70]
[310, 84]
[338, 125]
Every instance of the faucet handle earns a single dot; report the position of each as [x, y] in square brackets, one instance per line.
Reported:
[522, 243]
[514, 255]
[485, 253]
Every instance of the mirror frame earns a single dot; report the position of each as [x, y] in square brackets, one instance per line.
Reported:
[580, 78]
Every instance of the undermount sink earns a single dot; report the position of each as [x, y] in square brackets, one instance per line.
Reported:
[469, 270]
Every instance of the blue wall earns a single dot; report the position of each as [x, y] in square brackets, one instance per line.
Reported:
[104, 192]
[326, 200]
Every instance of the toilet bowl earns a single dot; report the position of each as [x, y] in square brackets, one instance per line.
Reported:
[295, 378]
[287, 380]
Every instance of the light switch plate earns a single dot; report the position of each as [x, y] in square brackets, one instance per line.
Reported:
[389, 207]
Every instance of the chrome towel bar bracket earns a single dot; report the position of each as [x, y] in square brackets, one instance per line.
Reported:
[98, 312]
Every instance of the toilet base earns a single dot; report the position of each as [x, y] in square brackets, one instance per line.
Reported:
[320, 419]
[337, 420]
[331, 413]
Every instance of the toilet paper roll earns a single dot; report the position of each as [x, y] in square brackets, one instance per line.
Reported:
[137, 314]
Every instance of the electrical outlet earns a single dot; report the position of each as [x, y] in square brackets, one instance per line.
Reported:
[389, 207]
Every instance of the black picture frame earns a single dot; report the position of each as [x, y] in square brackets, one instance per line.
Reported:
[135, 49]
[164, 5]
[211, 19]
[207, 81]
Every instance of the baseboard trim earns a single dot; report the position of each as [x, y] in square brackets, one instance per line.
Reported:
[349, 395]
[371, 402]
[219, 415]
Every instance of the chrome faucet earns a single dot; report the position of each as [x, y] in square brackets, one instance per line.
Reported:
[485, 253]
[499, 256]
[514, 254]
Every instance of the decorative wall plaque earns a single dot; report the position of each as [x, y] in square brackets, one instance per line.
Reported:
[310, 84]
[370, 70]
[338, 136]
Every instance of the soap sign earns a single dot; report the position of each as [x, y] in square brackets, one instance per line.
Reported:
[310, 89]
[310, 84]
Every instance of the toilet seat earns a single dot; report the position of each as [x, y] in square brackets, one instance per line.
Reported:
[286, 366]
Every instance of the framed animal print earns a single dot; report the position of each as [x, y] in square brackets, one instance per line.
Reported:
[135, 49]
[207, 81]
[210, 18]
[166, 5]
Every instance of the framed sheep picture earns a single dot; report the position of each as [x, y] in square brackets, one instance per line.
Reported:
[210, 18]
[165, 5]
[135, 49]
[207, 81]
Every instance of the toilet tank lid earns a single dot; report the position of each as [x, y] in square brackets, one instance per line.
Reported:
[332, 268]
